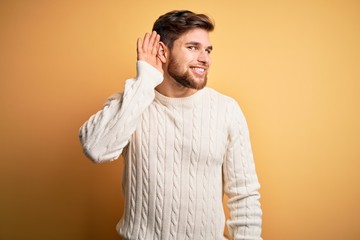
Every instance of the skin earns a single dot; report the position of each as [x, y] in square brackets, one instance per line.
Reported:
[185, 66]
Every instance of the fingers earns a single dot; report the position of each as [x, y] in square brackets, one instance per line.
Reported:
[156, 44]
[148, 47]
[146, 42]
[152, 42]
[149, 43]
[139, 45]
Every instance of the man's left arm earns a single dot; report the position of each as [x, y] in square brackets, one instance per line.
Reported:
[241, 184]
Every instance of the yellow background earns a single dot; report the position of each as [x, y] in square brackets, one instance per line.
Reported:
[294, 67]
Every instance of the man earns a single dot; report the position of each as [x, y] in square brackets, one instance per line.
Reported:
[183, 144]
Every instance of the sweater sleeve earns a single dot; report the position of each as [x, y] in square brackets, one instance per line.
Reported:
[240, 181]
[105, 134]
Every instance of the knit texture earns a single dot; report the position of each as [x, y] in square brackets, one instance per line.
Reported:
[180, 155]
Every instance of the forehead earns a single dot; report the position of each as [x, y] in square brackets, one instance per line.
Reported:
[197, 35]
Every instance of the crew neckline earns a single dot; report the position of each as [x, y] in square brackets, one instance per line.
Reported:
[181, 100]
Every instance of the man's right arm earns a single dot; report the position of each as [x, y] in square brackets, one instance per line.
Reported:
[107, 132]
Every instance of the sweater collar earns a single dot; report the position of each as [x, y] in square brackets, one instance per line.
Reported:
[180, 101]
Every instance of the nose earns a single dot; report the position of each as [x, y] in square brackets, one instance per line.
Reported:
[204, 57]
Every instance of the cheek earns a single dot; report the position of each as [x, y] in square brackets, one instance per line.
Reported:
[187, 56]
[183, 59]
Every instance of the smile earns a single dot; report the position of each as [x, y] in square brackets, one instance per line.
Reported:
[199, 70]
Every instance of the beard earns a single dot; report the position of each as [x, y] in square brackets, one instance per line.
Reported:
[185, 79]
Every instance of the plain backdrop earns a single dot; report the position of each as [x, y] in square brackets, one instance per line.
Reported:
[293, 66]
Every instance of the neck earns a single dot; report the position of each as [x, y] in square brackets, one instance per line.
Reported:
[171, 88]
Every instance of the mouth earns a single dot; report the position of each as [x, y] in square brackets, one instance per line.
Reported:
[199, 70]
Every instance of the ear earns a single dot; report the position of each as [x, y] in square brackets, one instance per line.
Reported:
[163, 52]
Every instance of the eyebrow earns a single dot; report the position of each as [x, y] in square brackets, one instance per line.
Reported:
[197, 44]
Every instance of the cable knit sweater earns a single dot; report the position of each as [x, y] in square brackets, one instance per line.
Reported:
[180, 155]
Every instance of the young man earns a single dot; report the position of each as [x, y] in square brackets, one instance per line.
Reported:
[183, 144]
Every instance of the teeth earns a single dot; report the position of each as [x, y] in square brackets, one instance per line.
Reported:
[199, 69]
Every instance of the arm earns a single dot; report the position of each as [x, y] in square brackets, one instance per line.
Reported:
[107, 132]
[240, 181]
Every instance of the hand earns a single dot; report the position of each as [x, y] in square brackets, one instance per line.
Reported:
[148, 49]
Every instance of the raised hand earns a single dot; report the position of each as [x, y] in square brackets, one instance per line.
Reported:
[148, 49]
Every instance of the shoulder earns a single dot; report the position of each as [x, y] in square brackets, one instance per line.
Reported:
[225, 100]
[214, 93]
[233, 114]
[228, 106]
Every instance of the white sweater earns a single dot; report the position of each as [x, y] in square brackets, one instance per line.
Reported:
[180, 155]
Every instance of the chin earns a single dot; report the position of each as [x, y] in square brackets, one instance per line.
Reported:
[200, 84]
